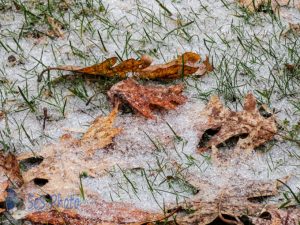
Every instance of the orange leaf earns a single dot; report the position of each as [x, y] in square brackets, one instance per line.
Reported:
[184, 65]
[142, 98]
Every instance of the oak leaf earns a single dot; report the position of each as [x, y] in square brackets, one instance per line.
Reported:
[61, 164]
[101, 132]
[227, 124]
[142, 98]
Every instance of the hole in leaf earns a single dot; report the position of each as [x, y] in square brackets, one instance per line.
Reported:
[207, 135]
[245, 220]
[40, 181]
[264, 113]
[266, 216]
[218, 221]
[48, 198]
[231, 142]
[29, 163]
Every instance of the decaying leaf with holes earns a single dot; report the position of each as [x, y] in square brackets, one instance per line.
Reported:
[96, 213]
[58, 166]
[107, 68]
[101, 132]
[9, 169]
[184, 65]
[237, 204]
[254, 5]
[227, 124]
[141, 98]
[3, 194]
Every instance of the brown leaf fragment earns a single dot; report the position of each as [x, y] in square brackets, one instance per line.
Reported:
[106, 68]
[254, 5]
[96, 213]
[184, 65]
[2, 115]
[55, 27]
[228, 124]
[142, 98]
[205, 67]
[101, 132]
[275, 216]
[9, 168]
[235, 202]
[3, 194]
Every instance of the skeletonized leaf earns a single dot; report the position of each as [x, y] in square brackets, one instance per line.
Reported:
[184, 65]
[227, 124]
[101, 132]
[142, 98]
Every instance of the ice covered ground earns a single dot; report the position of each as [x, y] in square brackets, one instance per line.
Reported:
[249, 52]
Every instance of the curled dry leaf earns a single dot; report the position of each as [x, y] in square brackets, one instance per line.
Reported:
[9, 169]
[96, 213]
[101, 132]
[106, 68]
[59, 165]
[205, 67]
[184, 65]
[142, 98]
[3, 194]
[227, 124]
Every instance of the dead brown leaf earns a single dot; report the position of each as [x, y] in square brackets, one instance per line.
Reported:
[9, 169]
[241, 200]
[101, 132]
[96, 213]
[1, 115]
[142, 98]
[61, 164]
[205, 67]
[55, 28]
[3, 194]
[184, 65]
[106, 68]
[227, 124]
[254, 5]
